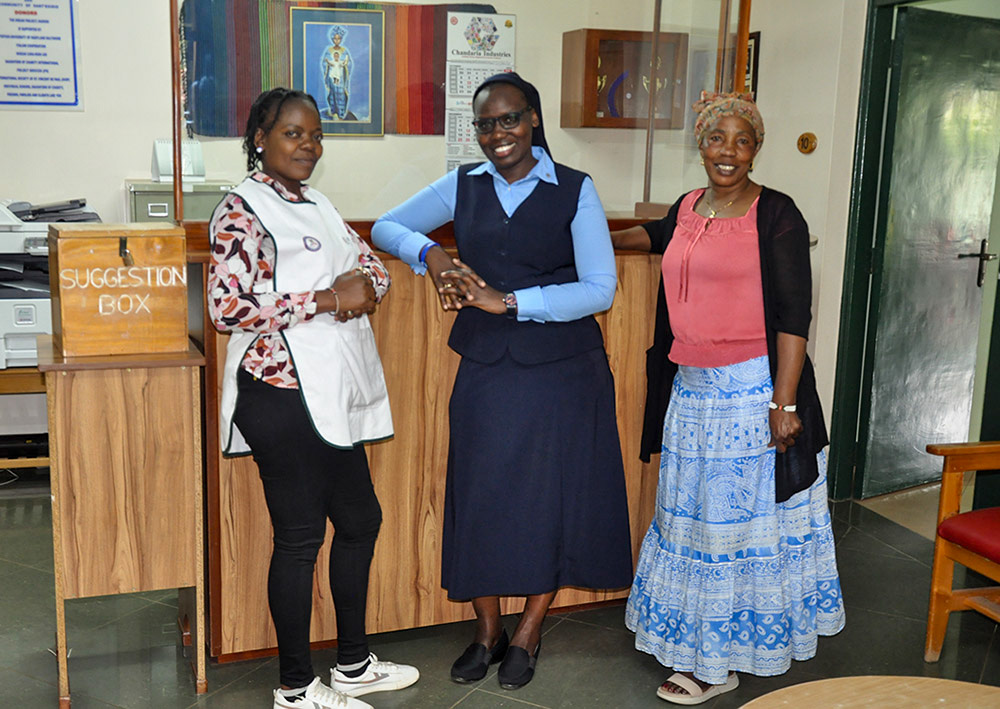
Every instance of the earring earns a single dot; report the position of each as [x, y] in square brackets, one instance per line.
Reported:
[259, 149]
[703, 161]
[751, 166]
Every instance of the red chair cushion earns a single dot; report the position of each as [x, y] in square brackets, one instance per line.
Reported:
[978, 531]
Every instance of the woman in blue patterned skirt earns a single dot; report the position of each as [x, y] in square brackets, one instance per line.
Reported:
[737, 572]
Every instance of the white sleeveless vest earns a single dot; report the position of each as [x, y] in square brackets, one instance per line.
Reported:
[338, 367]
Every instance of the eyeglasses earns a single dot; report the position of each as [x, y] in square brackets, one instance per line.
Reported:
[508, 121]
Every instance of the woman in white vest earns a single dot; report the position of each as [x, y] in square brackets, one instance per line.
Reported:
[303, 390]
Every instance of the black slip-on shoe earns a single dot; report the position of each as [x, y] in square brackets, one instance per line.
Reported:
[518, 667]
[472, 665]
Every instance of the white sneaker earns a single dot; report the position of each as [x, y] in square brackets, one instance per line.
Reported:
[379, 677]
[318, 696]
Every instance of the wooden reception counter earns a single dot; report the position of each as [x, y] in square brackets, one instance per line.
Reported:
[408, 471]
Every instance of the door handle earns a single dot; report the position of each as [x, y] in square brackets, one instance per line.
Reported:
[983, 257]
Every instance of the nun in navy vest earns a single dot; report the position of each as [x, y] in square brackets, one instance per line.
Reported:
[535, 496]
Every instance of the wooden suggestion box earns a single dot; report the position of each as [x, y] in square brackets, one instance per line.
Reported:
[118, 289]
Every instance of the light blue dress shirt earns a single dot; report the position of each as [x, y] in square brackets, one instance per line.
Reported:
[402, 232]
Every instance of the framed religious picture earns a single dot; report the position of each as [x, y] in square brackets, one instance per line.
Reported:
[753, 56]
[337, 56]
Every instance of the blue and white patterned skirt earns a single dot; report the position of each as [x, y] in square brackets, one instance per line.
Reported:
[727, 579]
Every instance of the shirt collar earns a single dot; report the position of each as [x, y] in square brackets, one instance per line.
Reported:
[265, 179]
[544, 169]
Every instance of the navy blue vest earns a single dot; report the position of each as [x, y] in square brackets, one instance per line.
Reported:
[534, 247]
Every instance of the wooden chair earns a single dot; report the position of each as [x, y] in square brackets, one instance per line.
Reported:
[970, 538]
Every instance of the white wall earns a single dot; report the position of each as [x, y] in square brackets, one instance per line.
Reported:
[810, 77]
[125, 70]
[809, 81]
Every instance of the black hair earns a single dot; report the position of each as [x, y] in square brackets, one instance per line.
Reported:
[530, 95]
[263, 115]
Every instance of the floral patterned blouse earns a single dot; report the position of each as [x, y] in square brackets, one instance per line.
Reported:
[243, 255]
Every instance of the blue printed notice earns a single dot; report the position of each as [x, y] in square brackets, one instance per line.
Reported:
[38, 54]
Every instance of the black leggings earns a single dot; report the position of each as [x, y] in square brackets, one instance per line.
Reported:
[306, 481]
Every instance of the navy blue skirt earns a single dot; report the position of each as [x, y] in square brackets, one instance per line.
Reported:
[535, 497]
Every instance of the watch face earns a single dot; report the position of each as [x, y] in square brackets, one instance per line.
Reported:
[510, 300]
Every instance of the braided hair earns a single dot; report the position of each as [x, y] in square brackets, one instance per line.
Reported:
[264, 114]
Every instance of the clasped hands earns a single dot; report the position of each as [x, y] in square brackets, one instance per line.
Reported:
[352, 296]
[458, 286]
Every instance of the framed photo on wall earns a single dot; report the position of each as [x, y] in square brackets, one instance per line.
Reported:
[753, 55]
[337, 56]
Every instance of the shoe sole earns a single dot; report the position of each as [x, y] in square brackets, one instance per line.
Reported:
[465, 680]
[510, 686]
[731, 683]
[380, 687]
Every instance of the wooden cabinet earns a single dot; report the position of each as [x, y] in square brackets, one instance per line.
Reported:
[606, 79]
[126, 468]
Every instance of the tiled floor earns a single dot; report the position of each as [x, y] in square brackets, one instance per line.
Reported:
[125, 651]
[917, 508]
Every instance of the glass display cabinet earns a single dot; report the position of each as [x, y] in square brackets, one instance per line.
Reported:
[718, 32]
[617, 64]
[609, 80]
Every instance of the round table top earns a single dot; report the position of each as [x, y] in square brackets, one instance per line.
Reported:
[880, 691]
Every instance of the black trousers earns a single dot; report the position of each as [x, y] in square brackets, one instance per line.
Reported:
[306, 481]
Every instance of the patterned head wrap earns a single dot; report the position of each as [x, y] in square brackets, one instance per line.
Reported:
[337, 30]
[713, 106]
[530, 93]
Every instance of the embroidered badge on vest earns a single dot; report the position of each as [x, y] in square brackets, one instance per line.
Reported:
[311, 243]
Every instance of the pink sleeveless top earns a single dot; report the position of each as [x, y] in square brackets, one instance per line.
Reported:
[711, 277]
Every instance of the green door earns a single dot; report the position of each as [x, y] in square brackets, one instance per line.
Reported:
[936, 195]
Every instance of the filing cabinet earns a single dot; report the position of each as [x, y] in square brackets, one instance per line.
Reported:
[150, 201]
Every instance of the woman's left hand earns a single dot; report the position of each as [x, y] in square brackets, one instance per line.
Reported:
[785, 428]
[478, 294]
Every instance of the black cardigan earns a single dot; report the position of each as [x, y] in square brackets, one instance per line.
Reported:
[786, 276]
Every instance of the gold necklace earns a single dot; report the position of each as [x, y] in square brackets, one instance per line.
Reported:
[713, 211]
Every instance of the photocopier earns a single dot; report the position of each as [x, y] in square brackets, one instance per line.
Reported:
[25, 305]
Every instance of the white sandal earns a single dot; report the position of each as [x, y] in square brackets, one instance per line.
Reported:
[695, 694]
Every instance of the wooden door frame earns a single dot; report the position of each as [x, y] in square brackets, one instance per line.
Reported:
[862, 258]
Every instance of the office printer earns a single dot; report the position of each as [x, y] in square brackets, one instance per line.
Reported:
[25, 306]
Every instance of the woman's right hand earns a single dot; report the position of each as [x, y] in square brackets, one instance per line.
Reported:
[478, 294]
[453, 285]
